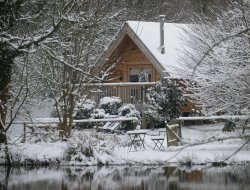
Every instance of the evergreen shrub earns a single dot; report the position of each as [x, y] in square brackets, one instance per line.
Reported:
[164, 101]
[83, 110]
[128, 110]
[229, 126]
[110, 105]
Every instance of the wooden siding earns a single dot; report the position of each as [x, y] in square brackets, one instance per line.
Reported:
[128, 55]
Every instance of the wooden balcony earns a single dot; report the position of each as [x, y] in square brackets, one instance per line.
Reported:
[129, 92]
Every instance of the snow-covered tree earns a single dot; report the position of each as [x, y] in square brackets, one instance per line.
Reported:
[23, 26]
[33, 28]
[164, 101]
[67, 74]
[218, 58]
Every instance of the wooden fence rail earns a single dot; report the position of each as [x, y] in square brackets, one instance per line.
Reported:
[41, 122]
[243, 117]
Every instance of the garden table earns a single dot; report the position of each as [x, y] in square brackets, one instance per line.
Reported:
[137, 139]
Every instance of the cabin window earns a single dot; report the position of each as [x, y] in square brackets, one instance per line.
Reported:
[146, 74]
[134, 75]
[143, 74]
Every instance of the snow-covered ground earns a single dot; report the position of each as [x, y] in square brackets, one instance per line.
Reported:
[202, 144]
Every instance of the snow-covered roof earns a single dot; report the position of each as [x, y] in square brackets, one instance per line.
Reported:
[146, 35]
[149, 34]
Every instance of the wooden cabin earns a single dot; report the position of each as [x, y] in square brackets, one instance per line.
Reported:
[141, 54]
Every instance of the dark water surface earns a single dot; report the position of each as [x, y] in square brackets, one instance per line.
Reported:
[126, 178]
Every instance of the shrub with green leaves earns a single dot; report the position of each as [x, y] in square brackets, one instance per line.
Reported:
[129, 110]
[164, 101]
[110, 105]
[98, 114]
[83, 110]
[229, 126]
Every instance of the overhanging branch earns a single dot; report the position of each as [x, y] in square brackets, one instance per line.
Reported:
[217, 44]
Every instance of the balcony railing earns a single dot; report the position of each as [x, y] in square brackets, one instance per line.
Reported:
[129, 92]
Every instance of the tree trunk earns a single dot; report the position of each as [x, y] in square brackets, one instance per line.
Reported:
[71, 112]
[64, 124]
[67, 120]
[7, 57]
[7, 154]
[5, 78]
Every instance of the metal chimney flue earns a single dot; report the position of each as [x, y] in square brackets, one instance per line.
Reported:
[162, 19]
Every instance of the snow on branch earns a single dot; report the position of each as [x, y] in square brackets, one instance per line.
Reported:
[22, 43]
[217, 44]
[61, 60]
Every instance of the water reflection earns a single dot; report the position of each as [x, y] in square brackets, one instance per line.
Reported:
[125, 178]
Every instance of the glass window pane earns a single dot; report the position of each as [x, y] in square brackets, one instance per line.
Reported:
[133, 74]
[147, 70]
[134, 78]
[142, 74]
[146, 75]
[134, 71]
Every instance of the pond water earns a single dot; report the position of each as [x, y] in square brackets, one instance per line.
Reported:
[126, 178]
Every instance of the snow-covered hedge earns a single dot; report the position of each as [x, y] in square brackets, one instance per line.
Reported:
[110, 105]
[164, 101]
[129, 110]
[91, 149]
[98, 114]
[83, 110]
[79, 149]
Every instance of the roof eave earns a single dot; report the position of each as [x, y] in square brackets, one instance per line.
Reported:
[110, 49]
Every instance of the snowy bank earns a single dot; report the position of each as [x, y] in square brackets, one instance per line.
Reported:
[202, 144]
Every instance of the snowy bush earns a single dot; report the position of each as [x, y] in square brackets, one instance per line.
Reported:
[229, 126]
[110, 105]
[41, 133]
[98, 114]
[83, 110]
[79, 149]
[188, 160]
[128, 110]
[164, 102]
[86, 149]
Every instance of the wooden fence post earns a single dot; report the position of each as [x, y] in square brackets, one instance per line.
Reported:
[173, 134]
